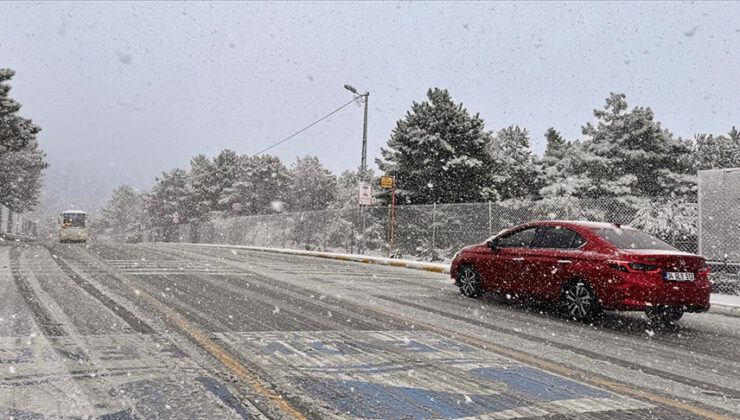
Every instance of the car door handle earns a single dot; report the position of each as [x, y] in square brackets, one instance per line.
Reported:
[518, 259]
[565, 262]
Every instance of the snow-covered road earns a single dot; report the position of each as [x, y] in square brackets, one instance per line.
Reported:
[176, 331]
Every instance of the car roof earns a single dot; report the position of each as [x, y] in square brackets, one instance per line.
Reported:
[74, 212]
[578, 223]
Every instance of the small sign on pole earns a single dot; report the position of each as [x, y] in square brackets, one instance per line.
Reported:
[386, 181]
[366, 194]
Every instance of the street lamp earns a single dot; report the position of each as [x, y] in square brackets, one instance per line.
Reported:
[363, 162]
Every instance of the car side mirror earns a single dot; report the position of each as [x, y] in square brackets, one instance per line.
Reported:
[493, 244]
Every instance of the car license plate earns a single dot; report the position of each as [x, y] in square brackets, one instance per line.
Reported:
[678, 276]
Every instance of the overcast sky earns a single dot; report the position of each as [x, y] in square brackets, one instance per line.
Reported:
[124, 91]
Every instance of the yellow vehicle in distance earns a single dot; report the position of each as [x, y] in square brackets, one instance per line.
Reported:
[73, 226]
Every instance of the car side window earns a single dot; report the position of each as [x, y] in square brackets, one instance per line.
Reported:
[520, 239]
[556, 237]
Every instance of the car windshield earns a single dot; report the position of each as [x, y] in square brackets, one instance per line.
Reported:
[633, 239]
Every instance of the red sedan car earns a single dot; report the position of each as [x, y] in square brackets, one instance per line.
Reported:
[588, 267]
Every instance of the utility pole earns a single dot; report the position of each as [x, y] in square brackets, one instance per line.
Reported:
[363, 162]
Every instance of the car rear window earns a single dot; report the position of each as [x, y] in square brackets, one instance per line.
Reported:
[632, 239]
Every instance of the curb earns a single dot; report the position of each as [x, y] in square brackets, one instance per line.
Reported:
[717, 308]
[366, 259]
[727, 310]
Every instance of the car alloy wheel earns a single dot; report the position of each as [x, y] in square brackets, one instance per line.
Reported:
[580, 301]
[469, 281]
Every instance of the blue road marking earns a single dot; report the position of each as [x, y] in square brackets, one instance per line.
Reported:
[15, 356]
[276, 347]
[324, 348]
[224, 395]
[372, 400]
[539, 384]
[416, 346]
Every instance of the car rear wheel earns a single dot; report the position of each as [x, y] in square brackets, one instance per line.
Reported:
[469, 281]
[579, 301]
[662, 315]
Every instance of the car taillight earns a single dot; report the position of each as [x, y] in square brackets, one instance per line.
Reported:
[633, 267]
[704, 269]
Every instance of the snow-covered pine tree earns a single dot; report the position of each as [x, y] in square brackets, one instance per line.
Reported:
[268, 181]
[21, 161]
[312, 187]
[439, 154]
[628, 153]
[124, 212]
[557, 147]
[515, 171]
[558, 162]
[169, 197]
[203, 186]
[226, 168]
[718, 152]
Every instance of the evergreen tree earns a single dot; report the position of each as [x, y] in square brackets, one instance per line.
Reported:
[557, 146]
[261, 184]
[124, 212]
[169, 198]
[627, 153]
[515, 172]
[226, 171]
[558, 177]
[439, 154]
[203, 186]
[21, 161]
[312, 187]
[718, 152]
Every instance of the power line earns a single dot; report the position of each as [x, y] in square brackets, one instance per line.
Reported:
[308, 126]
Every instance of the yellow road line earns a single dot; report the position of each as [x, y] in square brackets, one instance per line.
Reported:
[216, 351]
[223, 356]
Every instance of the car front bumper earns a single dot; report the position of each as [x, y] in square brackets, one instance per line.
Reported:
[73, 236]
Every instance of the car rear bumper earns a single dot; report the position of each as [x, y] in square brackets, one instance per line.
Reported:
[691, 297]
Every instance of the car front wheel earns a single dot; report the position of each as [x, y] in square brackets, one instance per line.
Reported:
[579, 301]
[469, 281]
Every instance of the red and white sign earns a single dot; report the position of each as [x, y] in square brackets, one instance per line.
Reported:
[366, 194]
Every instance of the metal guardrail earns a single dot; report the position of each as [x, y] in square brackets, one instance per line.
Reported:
[15, 226]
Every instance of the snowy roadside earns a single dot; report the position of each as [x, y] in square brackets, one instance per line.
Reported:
[724, 304]
[367, 259]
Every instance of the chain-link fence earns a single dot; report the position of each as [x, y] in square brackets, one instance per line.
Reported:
[435, 232]
[719, 218]
[15, 226]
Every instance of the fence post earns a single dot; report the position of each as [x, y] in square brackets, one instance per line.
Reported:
[490, 212]
[698, 222]
[434, 229]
